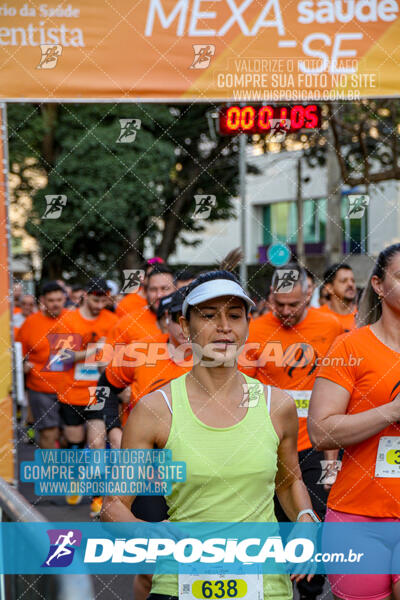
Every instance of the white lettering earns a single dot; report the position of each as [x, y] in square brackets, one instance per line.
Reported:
[155, 6]
[261, 22]
[197, 14]
[106, 546]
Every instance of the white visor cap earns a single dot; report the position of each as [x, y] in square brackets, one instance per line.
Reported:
[215, 289]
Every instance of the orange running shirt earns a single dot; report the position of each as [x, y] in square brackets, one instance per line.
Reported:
[288, 357]
[348, 321]
[130, 304]
[372, 378]
[82, 375]
[135, 327]
[36, 347]
[154, 367]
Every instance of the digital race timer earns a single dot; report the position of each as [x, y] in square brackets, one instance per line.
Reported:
[262, 119]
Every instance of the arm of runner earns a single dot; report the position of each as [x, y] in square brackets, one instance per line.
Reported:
[328, 425]
[26, 365]
[290, 489]
[79, 355]
[125, 395]
[140, 432]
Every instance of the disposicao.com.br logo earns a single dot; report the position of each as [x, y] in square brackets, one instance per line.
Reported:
[192, 550]
[140, 547]
[62, 547]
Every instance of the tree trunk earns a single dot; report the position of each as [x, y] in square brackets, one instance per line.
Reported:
[49, 112]
[133, 257]
[173, 222]
[52, 267]
[172, 227]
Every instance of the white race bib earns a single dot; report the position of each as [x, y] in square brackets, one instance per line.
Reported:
[302, 400]
[86, 372]
[220, 587]
[388, 458]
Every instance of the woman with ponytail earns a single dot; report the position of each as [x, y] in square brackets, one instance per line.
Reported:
[361, 379]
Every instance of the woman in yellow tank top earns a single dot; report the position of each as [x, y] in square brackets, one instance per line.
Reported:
[237, 437]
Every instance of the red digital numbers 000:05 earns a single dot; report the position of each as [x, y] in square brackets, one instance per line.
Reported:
[260, 119]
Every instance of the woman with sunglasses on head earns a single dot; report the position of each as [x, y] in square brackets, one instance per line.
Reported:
[236, 453]
[361, 379]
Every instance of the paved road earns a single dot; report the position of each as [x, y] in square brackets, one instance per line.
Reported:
[54, 508]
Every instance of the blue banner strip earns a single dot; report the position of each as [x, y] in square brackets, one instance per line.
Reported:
[138, 547]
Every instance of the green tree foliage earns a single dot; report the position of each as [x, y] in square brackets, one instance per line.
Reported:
[120, 196]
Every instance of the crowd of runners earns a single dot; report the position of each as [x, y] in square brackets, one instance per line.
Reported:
[281, 408]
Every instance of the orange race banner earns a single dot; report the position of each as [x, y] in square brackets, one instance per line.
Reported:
[6, 406]
[253, 50]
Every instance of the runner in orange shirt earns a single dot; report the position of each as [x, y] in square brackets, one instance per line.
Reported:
[287, 344]
[28, 307]
[125, 359]
[83, 329]
[135, 301]
[42, 382]
[361, 378]
[154, 363]
[143, 323]
[339, 283]
[131, 304]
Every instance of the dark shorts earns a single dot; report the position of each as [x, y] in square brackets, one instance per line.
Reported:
[150, 508]
[73, 414]
[45, 409]
[161, 597]
[111, 412]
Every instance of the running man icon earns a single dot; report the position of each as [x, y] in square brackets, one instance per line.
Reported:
[54, 206]
[60, 552]
[286, 279]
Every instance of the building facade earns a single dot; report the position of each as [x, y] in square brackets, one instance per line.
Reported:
[271, 217]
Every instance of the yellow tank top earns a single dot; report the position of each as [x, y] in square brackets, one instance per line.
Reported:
[230, 473]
